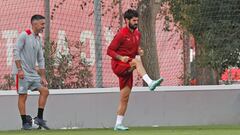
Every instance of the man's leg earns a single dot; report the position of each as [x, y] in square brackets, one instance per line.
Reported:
[26, 125]
[22, 106]
[122, 107]
[22, 86]
[139, 66]
[41, 105]
[152, 84]
[42, 98]
[124, 97]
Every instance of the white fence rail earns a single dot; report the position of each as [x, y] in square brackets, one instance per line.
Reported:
[96, 108]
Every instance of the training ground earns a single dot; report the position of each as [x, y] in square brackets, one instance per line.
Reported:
[96, 108]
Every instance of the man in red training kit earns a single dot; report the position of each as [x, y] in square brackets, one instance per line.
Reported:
[123, 49]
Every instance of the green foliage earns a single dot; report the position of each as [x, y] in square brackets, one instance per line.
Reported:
[215, 24]
[9, 82]
[62, 72]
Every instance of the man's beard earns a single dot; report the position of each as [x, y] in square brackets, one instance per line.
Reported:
[133, 27]
[41, 31]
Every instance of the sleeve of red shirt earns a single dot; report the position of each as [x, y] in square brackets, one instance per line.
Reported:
[114, 45]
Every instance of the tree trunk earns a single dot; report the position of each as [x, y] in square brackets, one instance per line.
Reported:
[120, 13]
[47, 43]
[186, 58]
[147, 25]
[205, 75]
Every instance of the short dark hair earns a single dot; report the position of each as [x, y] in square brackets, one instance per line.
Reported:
[130, 13]
[37, 17]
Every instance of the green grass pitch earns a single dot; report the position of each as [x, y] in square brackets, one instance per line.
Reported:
[189, 130]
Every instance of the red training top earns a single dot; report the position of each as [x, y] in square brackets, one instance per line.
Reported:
[125, 43]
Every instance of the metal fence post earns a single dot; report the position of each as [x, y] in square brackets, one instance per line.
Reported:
[98, 41]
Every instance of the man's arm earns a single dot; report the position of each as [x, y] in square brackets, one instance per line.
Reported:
[122, 58]
[42, 73]
[41, 65]
[18, 64]
[16, 54]
[114, 45]
[140, 51]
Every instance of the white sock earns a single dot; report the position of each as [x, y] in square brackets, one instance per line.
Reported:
[119, 119]
[147, 79]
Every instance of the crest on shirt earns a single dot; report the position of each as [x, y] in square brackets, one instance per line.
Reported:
[21, 88]
[137, 37]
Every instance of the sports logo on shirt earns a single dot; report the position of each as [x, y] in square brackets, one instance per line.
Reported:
[21, 88]
[137, 37]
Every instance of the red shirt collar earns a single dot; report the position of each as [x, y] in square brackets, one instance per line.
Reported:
[127, 29]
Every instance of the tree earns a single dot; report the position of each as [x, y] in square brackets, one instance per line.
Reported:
[215, 25]
[148, 10]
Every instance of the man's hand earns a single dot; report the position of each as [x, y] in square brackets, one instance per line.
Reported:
[44, 82]
[124, 59]
[20, 74]
[140, 51]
